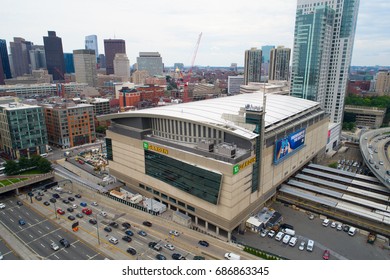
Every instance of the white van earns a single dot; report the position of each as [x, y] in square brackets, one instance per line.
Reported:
[293, 241]
[286, 239]
[310, 245]
[288, 231]
[325, 223]
[352, 231]
[232, 256]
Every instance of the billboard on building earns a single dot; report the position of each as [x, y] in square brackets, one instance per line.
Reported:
[286, 146]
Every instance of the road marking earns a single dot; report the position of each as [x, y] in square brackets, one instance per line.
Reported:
[39, 231]
[65, 251]
[59, 236]
[94, 256]
[37, 220]
[88, 256]
[43, 245]
[27, 214]
[11, 210]
[56, 257]
[31, 236]
[47, 227]
[11, 220]
[140, 243]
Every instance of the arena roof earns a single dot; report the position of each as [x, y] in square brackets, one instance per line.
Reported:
[212, 111]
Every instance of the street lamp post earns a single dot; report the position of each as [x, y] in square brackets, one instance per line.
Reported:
[55, 210]
[97, 228]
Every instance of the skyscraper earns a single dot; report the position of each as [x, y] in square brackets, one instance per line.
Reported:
[54, 56]
[151, 62]
[122, 66]
[252, 66]
[323, 41]
[20, 56]
[91, 44]
[85, 66]
[111, 48]
[69, 63]
[37, 57]
[279, 64]
[4, 59]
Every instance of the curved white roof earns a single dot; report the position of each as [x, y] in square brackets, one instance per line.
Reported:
[210, 111]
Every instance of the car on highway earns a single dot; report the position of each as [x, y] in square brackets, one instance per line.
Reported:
[87, 211]
[113, 240]
[94, 203]
[203, 243]
[381, 162]
[169, 246]
[92, 221]
[39, 198]
[174, 232]
[155, 246]
[70, 209]
[325, 255]
[2, 205]
[142, 233]
[74, 206]
[79, 215]
[126, 225]
[107, 229]
[131, 251]
[78, 195]
[70, 198]
[102, 213]
[302, 246]
[177, 256]
[22, 222]
[129, 232]
[56, 196]
[199, 258]
[60, 211]
[83, 204]
[54, 246]
[46, 203]
[53, 200]
[19, 203]
[114, 225]
[147, 223]
[126, 238]
[64, 242]
[160, 257]
[72, 218]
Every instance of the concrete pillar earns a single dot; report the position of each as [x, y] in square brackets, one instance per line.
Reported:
[196, 220]
[217, 230]
[229, 235]
[206, 225]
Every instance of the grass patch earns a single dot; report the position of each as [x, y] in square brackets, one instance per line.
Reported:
[7, 182]
[31, 172]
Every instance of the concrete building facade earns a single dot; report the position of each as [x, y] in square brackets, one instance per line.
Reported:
[151, 62]
[91, 43]
[122, 66]
[252, 66]
[279, 64]
[85, 67]
[111, 48]
[234, 83]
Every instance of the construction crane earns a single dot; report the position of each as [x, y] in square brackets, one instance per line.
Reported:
[188, 76]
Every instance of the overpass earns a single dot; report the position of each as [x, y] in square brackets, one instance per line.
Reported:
[31, 180]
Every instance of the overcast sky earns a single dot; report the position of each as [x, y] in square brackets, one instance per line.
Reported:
[172, 27]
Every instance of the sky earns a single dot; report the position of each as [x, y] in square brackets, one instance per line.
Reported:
[172, 27]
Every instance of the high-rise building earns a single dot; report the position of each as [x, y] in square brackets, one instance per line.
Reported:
[323, 41]
[111, 48]
[20, 56]
[122, 66]
[4, 59]
[279, 64]
[92, 44]
[2, 76]
[85, 67]
[234, 83]
[151, 62]
[70, 125]
[54, 56]
[69, 63]
[233, 67]
[23, 130]
[37, 57]
[252, 65]
[102, 61]
[265, 59]
[382, 82]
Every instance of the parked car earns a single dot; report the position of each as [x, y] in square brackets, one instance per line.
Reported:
[160, 257]
[293, 241]
[333, 225]
[302, 246]
[87, 211]
[19, 203]
[64, 242]
[83, 204]
[147, 223]
[325, 222]
[326, 255]
[74, 206]
[38, 198]
[198, 258]
[102, 213]
[177, 256]
[279, 236]
[113, 240]
[264, 233]
[53, 200]
[286, 239]
[71, 198]
[271, 233]
[54, 246]
[56, 196]
[203, 243]
[94, 203]
[339, 226]
[22, 222]
[2, 205]
[78, 195]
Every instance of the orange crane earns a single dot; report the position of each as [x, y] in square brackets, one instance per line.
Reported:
[188, 76]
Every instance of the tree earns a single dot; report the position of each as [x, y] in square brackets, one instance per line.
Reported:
[44, 165]
[101, 129]
[11, 167]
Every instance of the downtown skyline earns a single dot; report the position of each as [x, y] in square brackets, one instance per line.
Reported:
[229, 28]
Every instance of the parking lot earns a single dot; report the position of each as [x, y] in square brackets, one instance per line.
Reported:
[339, 243]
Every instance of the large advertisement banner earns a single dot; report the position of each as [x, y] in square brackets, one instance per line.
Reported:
[288, 145]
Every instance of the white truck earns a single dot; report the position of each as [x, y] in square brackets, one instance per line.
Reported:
[232, 256]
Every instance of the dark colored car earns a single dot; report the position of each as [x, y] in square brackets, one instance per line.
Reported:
[19, 203]
[72, 218]
[160, 257]
[203, 243]
[92, 221]
[198, 258]
[64, 242]
[70, 209]
[56, 195]
[129, 232]
[283, 226]
[41, 194]
[22, 222]
[155, 246]
[126, 238]
[152, 244]
[78, 195]
[108, 229]
[131, 251]
[126, 225]
[177, 256]
[147, 223]
[53, 200]
[114, 225]
[79, 215]
[142, 233]
[38, 198]
[345, 228]
[46, 203]
[71, 198]
[83, 204]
